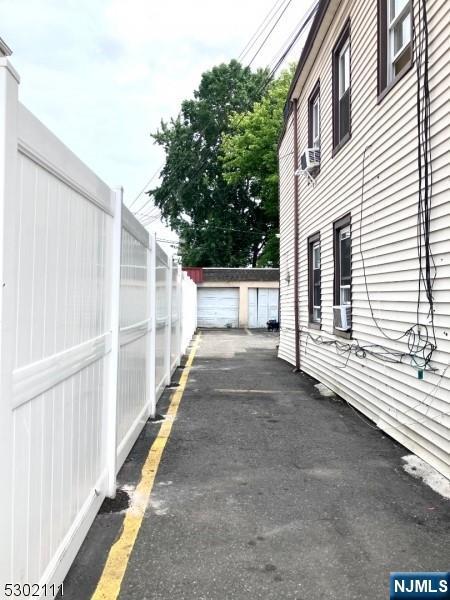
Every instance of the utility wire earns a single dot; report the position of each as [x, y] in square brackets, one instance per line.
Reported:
[288, 3]
[146, 185]
[262, 26]
[293, 37]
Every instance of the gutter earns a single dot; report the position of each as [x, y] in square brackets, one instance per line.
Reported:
[296, 248]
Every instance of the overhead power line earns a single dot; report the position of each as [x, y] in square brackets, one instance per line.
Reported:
[155, 174]
[260, 30]
[295, 33]
[286, 6]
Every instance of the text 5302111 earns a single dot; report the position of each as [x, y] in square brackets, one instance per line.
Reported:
[32, 590]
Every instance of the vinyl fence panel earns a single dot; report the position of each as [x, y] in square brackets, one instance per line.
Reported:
[60, 346]
[133, 403]
[162, 342]
[175, 308]
[86, 342]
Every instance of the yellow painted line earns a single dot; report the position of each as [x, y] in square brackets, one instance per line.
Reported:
[108, 588]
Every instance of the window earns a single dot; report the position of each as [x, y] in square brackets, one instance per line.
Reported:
[314, 290]
[314, 118]
[343, 263]
[394, 41]
[341, 89]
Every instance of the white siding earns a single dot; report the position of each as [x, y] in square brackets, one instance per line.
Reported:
[412, 411]
[286, 174]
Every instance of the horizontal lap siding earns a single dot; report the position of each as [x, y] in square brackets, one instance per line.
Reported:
[286, 174]
[414, 412]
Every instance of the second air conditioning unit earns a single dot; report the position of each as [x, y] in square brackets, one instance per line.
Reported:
[342, 317]
[310, 159]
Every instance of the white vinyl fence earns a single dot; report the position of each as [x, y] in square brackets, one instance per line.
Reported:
[94, 317]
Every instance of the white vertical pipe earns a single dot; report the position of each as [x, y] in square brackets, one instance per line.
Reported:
[113, 371]
[151, 335]
[9, 84]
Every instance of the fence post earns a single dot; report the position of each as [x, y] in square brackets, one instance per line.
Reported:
[151, 335]
[113, 367]
[169, 325]
[9, 85]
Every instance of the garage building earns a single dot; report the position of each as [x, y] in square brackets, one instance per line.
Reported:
[236, 297]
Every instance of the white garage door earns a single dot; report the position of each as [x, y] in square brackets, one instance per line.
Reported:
[218, 307]
[262, 306]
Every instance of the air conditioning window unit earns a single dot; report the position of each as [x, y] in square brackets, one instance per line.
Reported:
[310, 159]
[342, 317]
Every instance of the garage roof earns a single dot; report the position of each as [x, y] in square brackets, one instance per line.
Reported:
[222, 274]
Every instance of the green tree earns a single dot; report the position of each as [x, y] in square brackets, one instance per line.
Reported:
[249, 154]
[219, 222]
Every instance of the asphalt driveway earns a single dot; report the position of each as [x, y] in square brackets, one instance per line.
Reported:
[268, 490]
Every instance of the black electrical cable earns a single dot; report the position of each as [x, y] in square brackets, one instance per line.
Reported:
[417, 353]
[427, 265]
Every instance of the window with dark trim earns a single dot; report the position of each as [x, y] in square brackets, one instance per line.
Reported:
[314, 280]
[342, 274]
[394, 42]
[314, 118]
[341, 89]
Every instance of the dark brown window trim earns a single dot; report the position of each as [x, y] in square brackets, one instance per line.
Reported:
[341, 144]
[344, 334]
[343, 36]
[337, 225]
[382, 41]
[406, 69]
[311, 240]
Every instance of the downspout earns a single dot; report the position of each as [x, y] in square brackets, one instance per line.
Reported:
[296, 249]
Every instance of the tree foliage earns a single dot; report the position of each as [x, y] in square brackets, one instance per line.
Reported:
[219, 221]
[250, 159]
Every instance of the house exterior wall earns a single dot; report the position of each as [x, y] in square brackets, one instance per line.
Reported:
[243, 293]
[286, 349]
[415, 412]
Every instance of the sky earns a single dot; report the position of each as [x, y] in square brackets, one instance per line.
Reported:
[101, 74]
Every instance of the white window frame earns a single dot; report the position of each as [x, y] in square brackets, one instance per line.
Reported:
[344, 69]
[315, 124]
[392, 22]
[343, 288]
